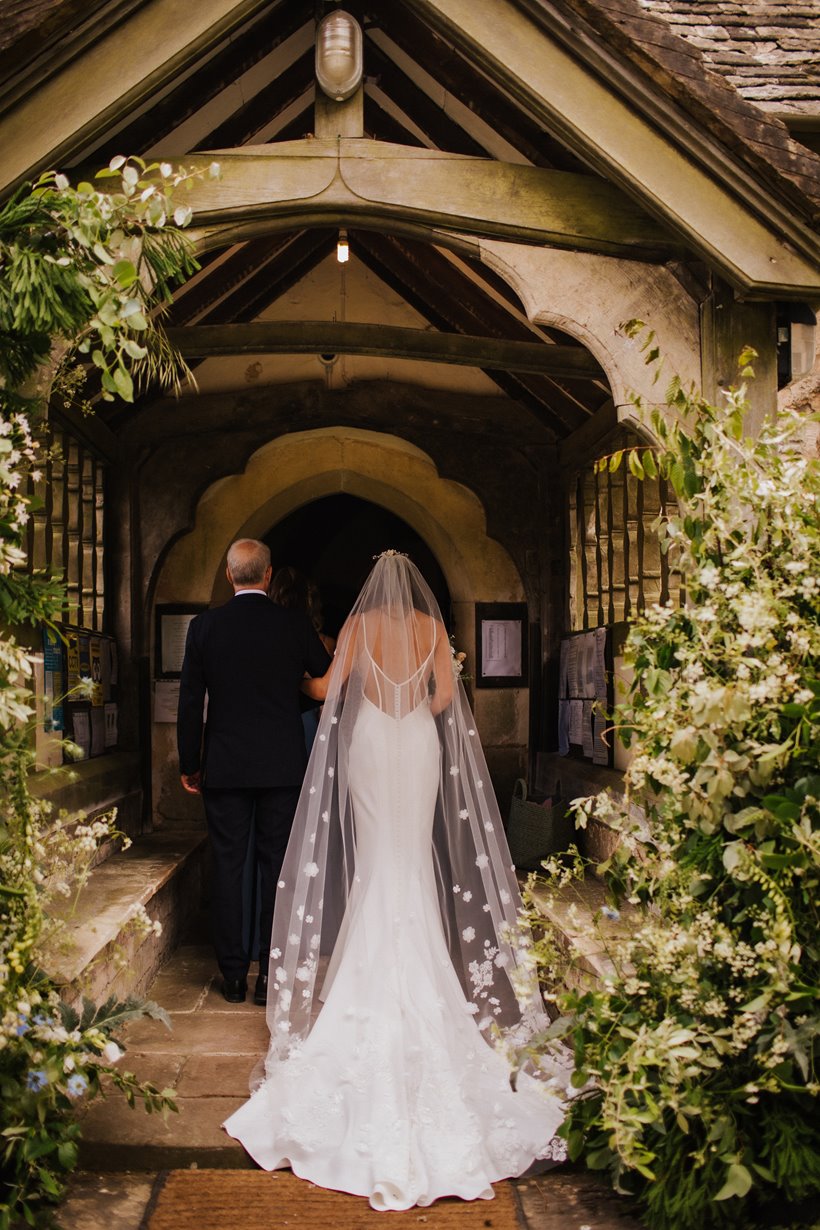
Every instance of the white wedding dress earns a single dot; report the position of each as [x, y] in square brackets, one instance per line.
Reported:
[395, 1093]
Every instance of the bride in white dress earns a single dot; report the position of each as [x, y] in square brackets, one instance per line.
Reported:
[398, 971]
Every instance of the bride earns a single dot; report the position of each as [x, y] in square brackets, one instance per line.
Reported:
[397, 970]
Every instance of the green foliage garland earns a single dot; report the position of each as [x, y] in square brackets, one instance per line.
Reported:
[701, 1048]
[81, 270]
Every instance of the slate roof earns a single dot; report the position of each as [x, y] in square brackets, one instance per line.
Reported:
[632, 29]
[29, 24]
[768, 49]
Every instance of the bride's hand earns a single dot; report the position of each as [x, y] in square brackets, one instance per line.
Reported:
[316, 688]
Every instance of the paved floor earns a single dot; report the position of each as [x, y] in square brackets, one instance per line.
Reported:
[207, 1058]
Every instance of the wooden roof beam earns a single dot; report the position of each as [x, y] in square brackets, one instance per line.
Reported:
[348, 181]
[747, 233]
[460, 77]
[219, 72]
[450, 302]
[342, 337]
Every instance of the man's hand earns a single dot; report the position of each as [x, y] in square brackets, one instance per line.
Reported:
[192, 782]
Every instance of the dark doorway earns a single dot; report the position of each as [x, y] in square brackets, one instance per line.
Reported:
[333, 541]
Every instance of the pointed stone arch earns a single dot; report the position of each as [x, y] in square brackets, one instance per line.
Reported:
[299, 467]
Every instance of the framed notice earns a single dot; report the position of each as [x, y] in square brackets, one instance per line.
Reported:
[501, 639]
[172, 620]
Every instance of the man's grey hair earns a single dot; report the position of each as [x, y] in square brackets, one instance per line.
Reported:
[248, 561]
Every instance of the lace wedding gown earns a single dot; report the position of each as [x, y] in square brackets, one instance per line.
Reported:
[394, 1090]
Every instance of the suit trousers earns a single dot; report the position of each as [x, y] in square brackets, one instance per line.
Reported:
[229, 813]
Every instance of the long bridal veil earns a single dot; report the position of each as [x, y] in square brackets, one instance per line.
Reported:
[393, 653]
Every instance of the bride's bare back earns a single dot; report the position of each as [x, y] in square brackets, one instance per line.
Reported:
[402, 651]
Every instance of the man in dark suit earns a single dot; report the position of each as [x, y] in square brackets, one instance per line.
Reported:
[249, 656]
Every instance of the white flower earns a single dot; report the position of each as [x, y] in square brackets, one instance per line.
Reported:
[488, 827]
[322, 738]
[311, 869]
[303, 973]
[471, 1008]
[281, 974]
[468, 934]
[281, 884]
[463, 814]
[300, 913]
[111, 1053]
[467, 897]
[276, 953]
[333, 721]
[482, 861]
[312, 790]
[293, 938]
[454, 770]
[479, 785]
[471, 733]
[325, 816]
[505, 896]
[456, 888]
[331, 772]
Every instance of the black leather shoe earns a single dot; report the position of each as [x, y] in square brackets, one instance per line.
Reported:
[260, 993]
[234, 990]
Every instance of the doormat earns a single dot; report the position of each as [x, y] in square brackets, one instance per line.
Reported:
[258, 1200]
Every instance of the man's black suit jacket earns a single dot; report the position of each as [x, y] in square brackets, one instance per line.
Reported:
[249, 656]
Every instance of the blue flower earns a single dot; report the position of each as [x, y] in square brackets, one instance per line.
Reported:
[42, 1019]
[37, 1079]
[23, 1026]
[76, 1085]
[609, 912]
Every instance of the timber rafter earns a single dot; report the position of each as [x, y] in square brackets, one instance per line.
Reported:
[343, 337]
[355, 179]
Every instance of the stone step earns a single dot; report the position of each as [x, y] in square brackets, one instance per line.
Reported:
[99, 952]
[207, 1058]
[592, 938]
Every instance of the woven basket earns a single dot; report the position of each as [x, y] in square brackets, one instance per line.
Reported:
[535, 830]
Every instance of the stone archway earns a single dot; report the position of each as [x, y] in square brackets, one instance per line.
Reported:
[301, 467]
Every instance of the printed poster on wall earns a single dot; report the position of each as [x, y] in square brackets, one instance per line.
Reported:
[53, 665]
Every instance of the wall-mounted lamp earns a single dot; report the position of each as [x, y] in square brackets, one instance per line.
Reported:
[342, 247]
[339, 55]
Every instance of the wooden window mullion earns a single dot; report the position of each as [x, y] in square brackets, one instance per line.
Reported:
[598, 556]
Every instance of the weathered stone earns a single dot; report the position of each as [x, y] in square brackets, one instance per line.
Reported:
[228, 1032]
[216, 1076]
[105, 1202]
[100, 953]
[567, 1200]
[115, 1137]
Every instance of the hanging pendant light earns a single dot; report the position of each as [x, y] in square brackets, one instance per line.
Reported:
[342, 248]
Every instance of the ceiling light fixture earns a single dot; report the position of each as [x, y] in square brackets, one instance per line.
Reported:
[339, 55]
[342, 247]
